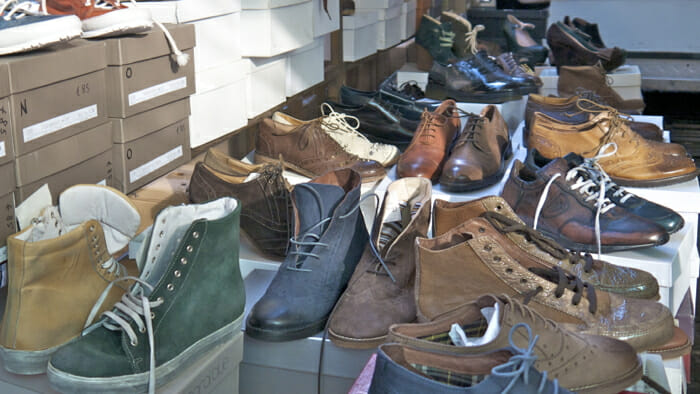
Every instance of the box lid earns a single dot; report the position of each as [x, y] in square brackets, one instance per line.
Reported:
[135, 48]
[222, 75]
[53, 64]
[189, 10]
[409, 6]
[359, 4]
[4, 81]
[267, 4]
[389, 13]
[361, 19]
[7, 178]
[139, 125]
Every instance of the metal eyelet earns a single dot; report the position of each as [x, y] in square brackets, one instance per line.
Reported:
[195, 235]
[134, 342]
[496, 258]
[487, 248]
[509, 270]
[170, 287]
[142, 329]
[91, 228]
[157, 246]
[482, 230]
[153, 315]
[499, 207]
[159, 299]
[177, 273]
[183, 261]
[189, 248]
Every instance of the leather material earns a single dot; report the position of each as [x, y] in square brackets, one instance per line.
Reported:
[591, 29]
[576, 79]
[466, 80]
[515, 33]
[427, 152]
[678, 346]
[409, 107]
[265, 201]
[469, 261]
[626, 281]
[571, 47]
[309, 150]
[513, 68]
[568, 218]
[373, 300]
[477, 159]
[309, 282]
[429, 36]
[610, 364]
[636, 162]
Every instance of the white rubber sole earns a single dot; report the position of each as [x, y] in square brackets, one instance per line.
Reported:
[117, 23]
[38, 35]
[67, 383]
[27, 362]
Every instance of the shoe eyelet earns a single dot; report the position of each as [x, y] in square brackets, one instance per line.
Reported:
[177, 273]
[183, 260]
[509, 270]
[170, 287]
[487, 248]
[157, 246]
[159, 299]
[153, 315]
[142, 330]
[195, 235]
[161, 234]
[189, 248]
[523, 280]
[91, 228]
[482, 230]
[134, 342]
[499, 207]
[497, 258]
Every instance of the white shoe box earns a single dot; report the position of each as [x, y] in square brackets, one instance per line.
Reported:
[217, 41]
[181, 11]
[408, 19]
[626, 81]
[266, 85]
[268, 4]
[361, 4]
[512, 112]
[219, 106]
[389, 27]
[324, 24]
[305, 67]
[360, 35]
[270, 32]
[409, 72]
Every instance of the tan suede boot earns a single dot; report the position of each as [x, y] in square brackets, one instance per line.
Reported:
[57, 268]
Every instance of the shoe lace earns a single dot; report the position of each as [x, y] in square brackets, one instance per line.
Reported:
[546, 244]
[411, 88]
[339, 123]
[521, 363]
[470, 36]
[17, 9]
[564, 282]
[134, 307]
[470, 135]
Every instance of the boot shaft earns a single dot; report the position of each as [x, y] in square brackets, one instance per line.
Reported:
[436, 38]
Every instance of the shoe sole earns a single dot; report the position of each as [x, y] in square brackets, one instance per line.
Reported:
[355, 343]
[439, 92]
[264, 159]
[50, 32]
[656, 182]
[117, 23]
[571, 245]
[65, 382]
[615, 386]
[28, 362]
[285, 335]
[459, 187]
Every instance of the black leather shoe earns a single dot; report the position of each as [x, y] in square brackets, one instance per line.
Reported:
[664, 217]
[494, 73]
[466, 81]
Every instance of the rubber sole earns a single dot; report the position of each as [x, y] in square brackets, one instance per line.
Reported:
[571, 245]
[656, 182]
[459, 187]
[440, 92]
[615, 386]
[117, 23]
[264, 159]
[65, 382]
[28, 362]
[285, 335]
[38, 35]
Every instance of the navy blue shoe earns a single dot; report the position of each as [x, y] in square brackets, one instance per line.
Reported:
[25, 27]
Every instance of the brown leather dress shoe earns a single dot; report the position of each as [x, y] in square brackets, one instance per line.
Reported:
[634, 162]
[478, 157]
[554, 201]
[309, 150]
[426, 154]
[574, 80]
[469, 261]
[531, 246]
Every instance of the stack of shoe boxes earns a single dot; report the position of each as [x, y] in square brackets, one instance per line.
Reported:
[220, 72]
[389, 24]
[58, 113]
[360, 33]
[408, 18]
[149, 105]
[7, 165]
[626, 80]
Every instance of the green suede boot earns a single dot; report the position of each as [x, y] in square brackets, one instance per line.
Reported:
[189, 298]
[435, 42]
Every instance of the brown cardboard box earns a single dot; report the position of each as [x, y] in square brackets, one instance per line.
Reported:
[140, 161]
[8, 223]
[142, 74]
[139, 125]
[7, 149]
[63, 154]
[7, 178]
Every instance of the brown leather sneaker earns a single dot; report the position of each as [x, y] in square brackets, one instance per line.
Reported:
[533, 249]
[565, 110]
[478, 157]
[237, 170]
[514, 69]
[554, 201]
[380, 292]
[633, 162]
[610, 364]
[309, 150]
[427, 152]
[574, 79]
[469, 261]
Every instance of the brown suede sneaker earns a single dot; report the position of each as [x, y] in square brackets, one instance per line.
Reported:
[531, 248]
[469, 261]
[610, 364]
[574, 79]
[380, 292]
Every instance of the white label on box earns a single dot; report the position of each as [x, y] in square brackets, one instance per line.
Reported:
[60, 122]
[154, 91]
[147, 168]
[102, 182]
[3, 255]
[2, 149]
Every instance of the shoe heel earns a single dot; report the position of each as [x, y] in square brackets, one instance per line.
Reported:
[424, 61]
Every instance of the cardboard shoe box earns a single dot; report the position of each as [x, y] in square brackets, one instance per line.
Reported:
[360, 35]
[142, 74]
[55, 93]
[7, 151]
[266, 85]
[150, 145]
[8, 224]
[305, 67]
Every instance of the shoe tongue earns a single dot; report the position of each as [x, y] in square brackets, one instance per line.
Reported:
[315, 202]
[556, 166]
[573, 159]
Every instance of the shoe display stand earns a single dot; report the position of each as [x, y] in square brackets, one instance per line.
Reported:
[625, 80]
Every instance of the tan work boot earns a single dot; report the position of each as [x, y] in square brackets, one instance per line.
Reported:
[57, 268]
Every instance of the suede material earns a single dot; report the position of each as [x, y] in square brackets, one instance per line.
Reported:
[572, 78]
[571, 47]
[428, 36]
[78, 8]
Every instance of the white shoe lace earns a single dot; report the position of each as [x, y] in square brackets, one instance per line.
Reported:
[592, 189]
[14, 9]
[134, 307]
[338, 123]
[470, 37]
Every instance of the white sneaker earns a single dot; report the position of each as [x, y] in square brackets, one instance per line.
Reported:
[344, 130]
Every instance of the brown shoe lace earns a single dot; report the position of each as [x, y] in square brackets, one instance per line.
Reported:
[470, 135]
[616, 119]
[564, 282]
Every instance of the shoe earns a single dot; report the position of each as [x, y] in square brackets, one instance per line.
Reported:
[479, 155]
[328, 241]
[428, 150]
[24, 27]
[566, 110]
[343, 129]
[380, 292]
[467, 261]
[265, 201]
[403, 369]
[381, 121]
[571, 47]
[514, 69]
[564, 205]
[57, 268]
[489, 324]
[678, 346]
[591, 29]
[166, 321]
[308, 150]
[434, 41]
[626, 157]
[667, 218]
[103, 18]
[575, 80]
[520, 43]
[465, 82]
[522, 4]
[533, 249]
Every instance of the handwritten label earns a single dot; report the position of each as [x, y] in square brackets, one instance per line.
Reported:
[60, 122]
[154, 91]
[147, 168]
